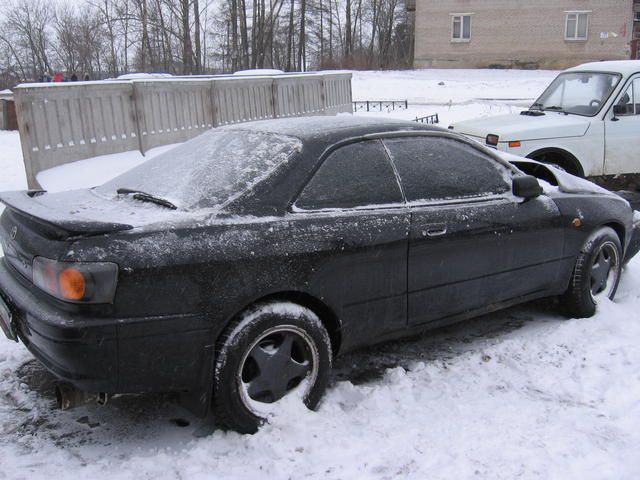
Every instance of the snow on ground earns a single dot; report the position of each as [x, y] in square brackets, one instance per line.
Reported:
[94, 171]
[454, 95]
[522, 393]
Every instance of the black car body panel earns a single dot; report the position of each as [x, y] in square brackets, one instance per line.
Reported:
[368, 272]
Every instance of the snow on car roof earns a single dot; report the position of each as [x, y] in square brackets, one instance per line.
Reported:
[625, 67]
[317, 126]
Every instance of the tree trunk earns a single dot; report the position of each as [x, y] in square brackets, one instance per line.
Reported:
[302, 41]
[197, 33]
[234, 35]
[187, 48]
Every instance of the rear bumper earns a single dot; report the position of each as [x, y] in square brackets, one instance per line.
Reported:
[112, 355]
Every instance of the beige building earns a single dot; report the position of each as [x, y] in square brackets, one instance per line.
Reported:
[552, 34]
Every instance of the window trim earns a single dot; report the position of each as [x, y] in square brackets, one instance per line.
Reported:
[488, 198]
[577, 14]
[461, 16]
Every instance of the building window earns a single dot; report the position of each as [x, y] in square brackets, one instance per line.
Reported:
[460, 27]
[577, 26]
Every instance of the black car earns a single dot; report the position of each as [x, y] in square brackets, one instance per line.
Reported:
[234, 267]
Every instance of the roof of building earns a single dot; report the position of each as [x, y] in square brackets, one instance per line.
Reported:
[625, 67]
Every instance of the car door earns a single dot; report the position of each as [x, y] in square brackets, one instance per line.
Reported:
[471, 243]
[353, 215]
[622, 125]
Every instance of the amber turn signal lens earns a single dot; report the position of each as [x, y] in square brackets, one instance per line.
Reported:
[72, 284]
[515, 144]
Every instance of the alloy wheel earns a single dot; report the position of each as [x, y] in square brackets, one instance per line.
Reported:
[284, 359]
[605, 270]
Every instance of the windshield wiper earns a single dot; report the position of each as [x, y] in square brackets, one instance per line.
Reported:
[555, 108]
[146, 197]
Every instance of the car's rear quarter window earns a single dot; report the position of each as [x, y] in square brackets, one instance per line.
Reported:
[356, 175]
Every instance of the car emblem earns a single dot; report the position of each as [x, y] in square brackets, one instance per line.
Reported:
[13, 233]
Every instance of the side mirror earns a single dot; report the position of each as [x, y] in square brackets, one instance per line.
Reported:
[620, 110]
[527, 187]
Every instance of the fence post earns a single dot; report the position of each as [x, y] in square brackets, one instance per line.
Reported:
[136, 116]
[25, 143]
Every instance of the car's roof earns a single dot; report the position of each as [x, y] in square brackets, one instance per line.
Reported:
[625, 67]
[330, 128]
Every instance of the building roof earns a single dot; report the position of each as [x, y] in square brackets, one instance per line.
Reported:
[625, 67]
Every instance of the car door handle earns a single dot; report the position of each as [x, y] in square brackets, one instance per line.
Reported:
[435, 230]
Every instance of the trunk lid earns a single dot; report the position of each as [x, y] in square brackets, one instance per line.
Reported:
[37, 223]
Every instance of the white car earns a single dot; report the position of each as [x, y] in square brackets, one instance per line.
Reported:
[587, 122]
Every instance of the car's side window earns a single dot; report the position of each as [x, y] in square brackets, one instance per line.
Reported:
[437, 168]
[356, 175]
[629, 102]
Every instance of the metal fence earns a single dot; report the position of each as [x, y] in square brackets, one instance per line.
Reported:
[379, 105]
[63, 123]
[429, 119]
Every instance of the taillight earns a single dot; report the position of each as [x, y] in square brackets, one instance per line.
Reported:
[76, 282]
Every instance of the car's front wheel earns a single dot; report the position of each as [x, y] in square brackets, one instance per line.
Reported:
[274, 350]
[596, 274]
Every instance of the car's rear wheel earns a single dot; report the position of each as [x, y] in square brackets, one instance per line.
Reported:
[596, 274]
[274, 350]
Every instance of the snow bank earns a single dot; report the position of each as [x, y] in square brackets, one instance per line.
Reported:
[521, 394]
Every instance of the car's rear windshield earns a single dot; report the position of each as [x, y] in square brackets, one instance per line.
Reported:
[210, 170]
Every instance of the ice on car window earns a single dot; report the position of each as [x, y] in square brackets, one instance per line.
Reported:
[433, 168]
[356, 175]
[209, 170]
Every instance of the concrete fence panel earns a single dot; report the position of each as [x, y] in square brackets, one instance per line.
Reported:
[338, 98]
[59, 125]
[242, 100]
[63, 123]
[172, 111]
[298, 95]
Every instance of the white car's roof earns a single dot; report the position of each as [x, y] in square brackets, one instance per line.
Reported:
[625, 67]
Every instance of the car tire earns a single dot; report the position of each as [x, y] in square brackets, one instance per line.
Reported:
[272, 350]
[596, 274]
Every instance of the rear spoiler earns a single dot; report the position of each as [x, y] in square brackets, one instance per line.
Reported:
[65, 224]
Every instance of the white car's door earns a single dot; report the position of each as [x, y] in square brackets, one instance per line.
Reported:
[622, 132]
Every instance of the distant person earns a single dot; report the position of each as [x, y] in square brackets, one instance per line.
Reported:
[58, 77]
[74, 78]
[46, 78]
[87, 77]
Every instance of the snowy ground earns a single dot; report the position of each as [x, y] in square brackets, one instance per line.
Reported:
[454, 95]
[522, 393]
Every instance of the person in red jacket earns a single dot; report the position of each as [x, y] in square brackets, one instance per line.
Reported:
[58, 77]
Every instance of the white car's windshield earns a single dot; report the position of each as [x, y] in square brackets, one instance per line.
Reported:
[580, 93]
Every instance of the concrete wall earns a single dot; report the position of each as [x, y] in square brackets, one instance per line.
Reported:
[63, 123]
[520, 33]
